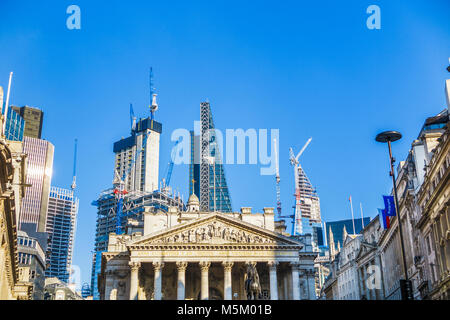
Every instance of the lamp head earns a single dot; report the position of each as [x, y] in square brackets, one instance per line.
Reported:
[390, 136]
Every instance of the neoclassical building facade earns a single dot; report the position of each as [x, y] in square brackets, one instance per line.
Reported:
[197, 255]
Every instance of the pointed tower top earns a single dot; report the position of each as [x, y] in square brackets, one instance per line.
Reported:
[331, 244]
[339, 246]
[344, 234]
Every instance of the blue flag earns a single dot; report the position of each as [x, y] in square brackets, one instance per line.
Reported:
[384, 218]
[389, 206]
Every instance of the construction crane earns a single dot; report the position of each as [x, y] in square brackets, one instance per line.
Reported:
[132, 119]
[277, 178]
[153, 104]
[166, 181]
[295, 163]
[74, 180]
[119, 182]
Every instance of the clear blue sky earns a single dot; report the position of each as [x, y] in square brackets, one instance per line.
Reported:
[311, 69]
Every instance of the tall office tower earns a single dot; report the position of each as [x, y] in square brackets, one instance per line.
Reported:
[206, 172]
[39, 174]
[33, 120]
[14, 126]
[61, 224]
[141, 173]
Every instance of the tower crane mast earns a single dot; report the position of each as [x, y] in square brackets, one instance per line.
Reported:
[277, 177]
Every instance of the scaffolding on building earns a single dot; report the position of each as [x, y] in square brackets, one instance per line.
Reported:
[134, 205]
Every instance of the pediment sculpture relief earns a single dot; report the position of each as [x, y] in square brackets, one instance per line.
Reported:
[215, 232]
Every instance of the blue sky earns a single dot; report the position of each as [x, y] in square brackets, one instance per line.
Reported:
[309, 69]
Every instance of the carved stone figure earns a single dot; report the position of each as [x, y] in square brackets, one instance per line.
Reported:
[251, 283]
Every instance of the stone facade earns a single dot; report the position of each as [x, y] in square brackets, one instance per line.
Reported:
[201, 255]
[433, 222]
[11, 191]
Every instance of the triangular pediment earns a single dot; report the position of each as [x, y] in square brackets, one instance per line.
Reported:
[365, 249]
[217, 229]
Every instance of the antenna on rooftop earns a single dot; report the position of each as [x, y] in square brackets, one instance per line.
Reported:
[153, 104]
[74, 184]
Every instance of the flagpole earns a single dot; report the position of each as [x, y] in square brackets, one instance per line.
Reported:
[353, 218]
[362, 215]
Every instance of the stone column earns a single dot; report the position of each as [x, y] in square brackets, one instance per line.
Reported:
[204, 265]
[181, 288]
[157, 267]
[227, 265]
[109, 283]
[134, 280]
[273, 280]
[295, 281]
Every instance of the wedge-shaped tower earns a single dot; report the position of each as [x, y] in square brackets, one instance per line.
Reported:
[206, 174]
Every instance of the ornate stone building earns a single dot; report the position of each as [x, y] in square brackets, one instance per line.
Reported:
[369, 263]
[11, 191]
[204, 255]
[434, 221]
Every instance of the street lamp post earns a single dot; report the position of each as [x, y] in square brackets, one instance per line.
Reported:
[391, 136]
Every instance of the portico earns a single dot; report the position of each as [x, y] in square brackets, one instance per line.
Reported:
[203, 259]
[206, 280]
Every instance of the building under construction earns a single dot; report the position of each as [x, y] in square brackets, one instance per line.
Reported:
[310, 221]
[136, 178]
[134, 205]
[206, 172]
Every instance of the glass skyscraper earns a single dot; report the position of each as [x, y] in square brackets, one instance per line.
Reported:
[337, 227]
[61, 225]
[206, 177]
[34, 119]
[14, 126]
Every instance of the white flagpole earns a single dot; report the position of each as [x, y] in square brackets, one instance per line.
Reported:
[7, 103]
[362, 215]
[353, 218]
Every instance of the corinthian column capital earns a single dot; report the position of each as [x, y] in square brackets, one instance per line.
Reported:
[182, 265]
[228, 265]
[272, 264]
[204, 265]
[134, 265]
[157, 266]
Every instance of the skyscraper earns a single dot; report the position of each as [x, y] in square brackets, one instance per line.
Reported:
[34, 119]
[206, 172]
[61, 225]
[309, 199]
[39, 174]
[14, 127]
[141, 172]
